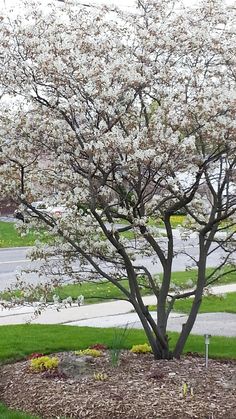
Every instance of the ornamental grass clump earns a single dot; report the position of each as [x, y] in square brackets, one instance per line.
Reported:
[118, 343]
[43, 363]
[95, 353]
[141, 349]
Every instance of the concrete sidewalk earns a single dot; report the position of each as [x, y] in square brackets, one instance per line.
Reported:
[75, 314]
[50, 315]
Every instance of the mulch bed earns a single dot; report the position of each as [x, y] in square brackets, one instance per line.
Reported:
[138, 388]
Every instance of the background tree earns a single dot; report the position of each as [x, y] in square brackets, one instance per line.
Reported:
[135, 114]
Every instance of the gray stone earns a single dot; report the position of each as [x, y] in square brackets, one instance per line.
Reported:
[74, 366]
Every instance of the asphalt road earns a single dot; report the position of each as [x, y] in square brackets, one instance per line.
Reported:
[12, 260]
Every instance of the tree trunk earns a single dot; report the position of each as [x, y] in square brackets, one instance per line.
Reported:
[187, 327]
[157, 341]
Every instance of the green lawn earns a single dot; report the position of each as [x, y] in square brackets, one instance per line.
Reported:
[93, 292]
[18, 341]
[182, 278]
[6, 413]
[9, 237]
[21, 340]
[210, 304]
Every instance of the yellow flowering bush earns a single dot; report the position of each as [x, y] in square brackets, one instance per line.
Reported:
[141, 349]
[43, 363]
[95, 353]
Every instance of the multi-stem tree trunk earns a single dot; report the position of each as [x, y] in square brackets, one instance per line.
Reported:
[157, 339]
[156, 331]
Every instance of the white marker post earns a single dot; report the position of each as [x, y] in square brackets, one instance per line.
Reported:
[207, 342]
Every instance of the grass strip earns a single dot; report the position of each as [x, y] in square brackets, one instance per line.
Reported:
[97, 292]
[9, 236]
[18, 341]
[210, 304]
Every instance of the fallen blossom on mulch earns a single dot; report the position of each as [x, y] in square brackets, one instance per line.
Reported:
[138, 388]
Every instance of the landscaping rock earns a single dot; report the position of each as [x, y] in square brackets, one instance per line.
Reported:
[74, 366]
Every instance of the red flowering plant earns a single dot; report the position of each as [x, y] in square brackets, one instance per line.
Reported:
[35, 355]
[98, 346]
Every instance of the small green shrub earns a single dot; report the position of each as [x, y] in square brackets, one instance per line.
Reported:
[43, 363]
[95, 353]
[141, 349]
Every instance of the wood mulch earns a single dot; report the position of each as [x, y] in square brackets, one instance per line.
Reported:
[139, 387]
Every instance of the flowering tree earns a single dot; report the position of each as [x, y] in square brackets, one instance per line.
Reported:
[134, 115]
